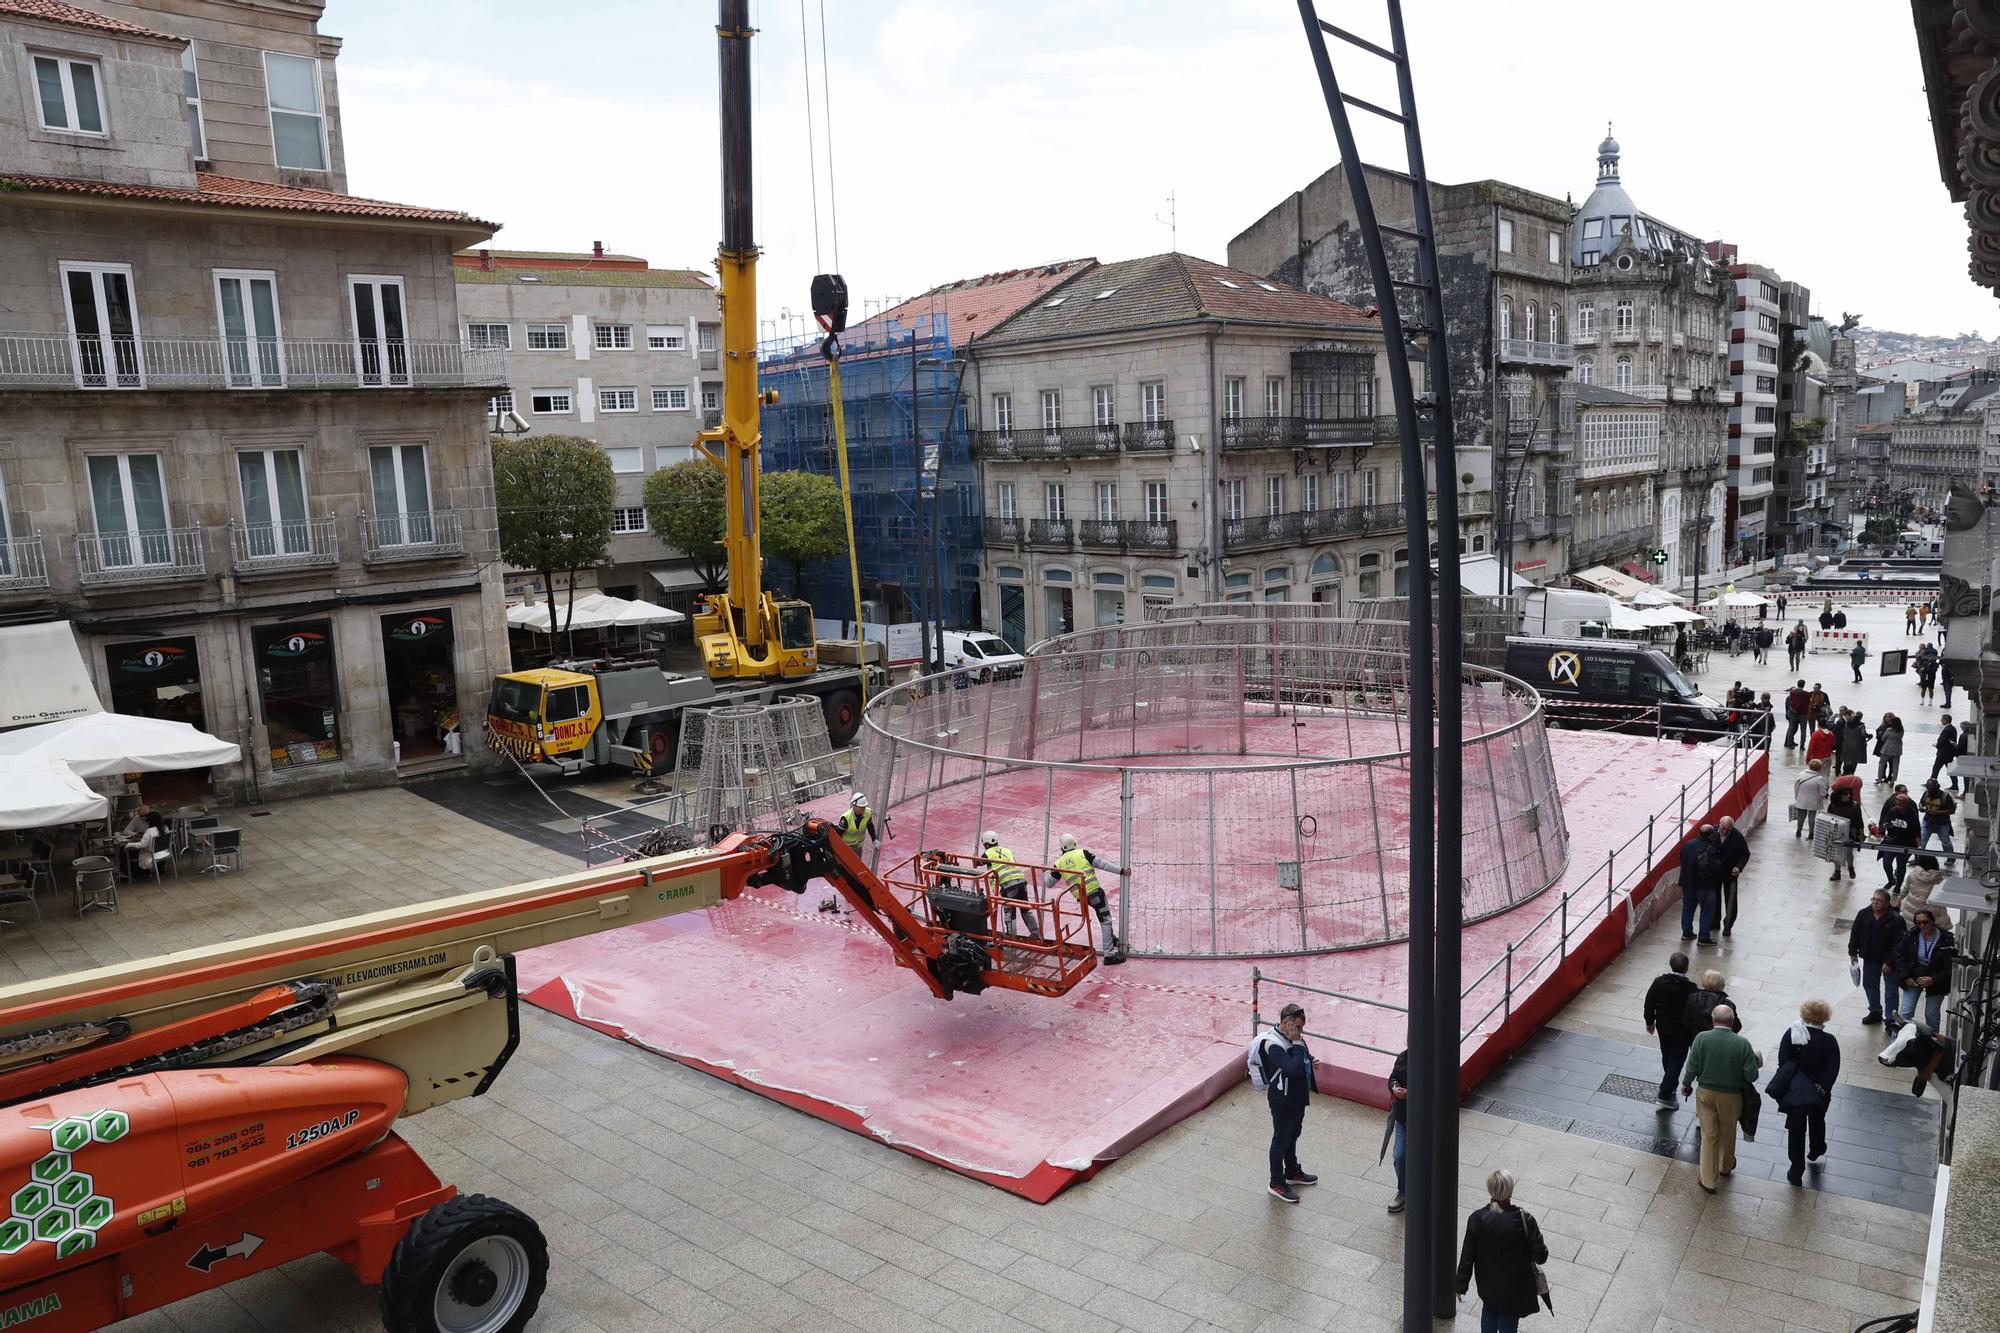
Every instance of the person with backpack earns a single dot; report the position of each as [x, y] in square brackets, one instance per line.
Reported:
[1666, 1017]
[1282, 1067]
[1700, 875]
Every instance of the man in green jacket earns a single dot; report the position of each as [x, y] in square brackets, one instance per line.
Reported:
[1721, 1063]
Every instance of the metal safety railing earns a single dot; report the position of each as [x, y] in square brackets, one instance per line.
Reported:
[1258, 980]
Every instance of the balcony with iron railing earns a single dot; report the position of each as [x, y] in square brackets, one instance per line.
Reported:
[710, 359]
[1006, 531]
[1049, 533]
[1153, 436]
[1296, 432]
[22, 564]
[425, 535]
[1310, 525]
[151, 555]
[1471, 504]
[54, 361]
[277, 548]
[1528, 351]
[1127, 534]
[1017, 444]
[1625, 545]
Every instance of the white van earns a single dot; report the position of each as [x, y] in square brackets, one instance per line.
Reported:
[986, 655]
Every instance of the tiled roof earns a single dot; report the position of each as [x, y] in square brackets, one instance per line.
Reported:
[584, 277]
[1169, 289]
[71, 16]
[580, 256]
[970, 306]
[231, 192]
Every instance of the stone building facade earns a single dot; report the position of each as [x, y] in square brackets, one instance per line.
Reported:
[1945, 438]
[1168, 429]
[1617, 461]
[242, 446]
[607, 347]
[1503, 261]
[1650, 315]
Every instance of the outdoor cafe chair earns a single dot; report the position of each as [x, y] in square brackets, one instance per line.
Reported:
[96, 885]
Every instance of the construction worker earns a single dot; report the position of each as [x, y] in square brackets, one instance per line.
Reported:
[1076, 869]
[1010, 881]
[856, 822]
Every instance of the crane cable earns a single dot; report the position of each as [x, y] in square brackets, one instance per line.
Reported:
[812, 145]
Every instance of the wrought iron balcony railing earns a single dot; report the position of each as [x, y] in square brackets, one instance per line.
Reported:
[1016, 444]
[1156, 435]
[23, 564]
[1127, 534]
[424, 535]
[146, 556]
[1006, 531]
[54, 361]
[1309, 525]
[1049, 532]
[268, 548]
[1527, 351]
[1293, 432]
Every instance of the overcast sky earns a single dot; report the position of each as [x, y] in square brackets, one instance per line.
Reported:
[976, 135]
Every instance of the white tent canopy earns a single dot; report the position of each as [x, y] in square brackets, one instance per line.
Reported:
[1657, 597]
[1739, 599]
[41, 793]
[42, 676]
[593, 611]
[102, 744]
[1609, 580]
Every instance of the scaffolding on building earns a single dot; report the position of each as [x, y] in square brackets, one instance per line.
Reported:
[917, 509]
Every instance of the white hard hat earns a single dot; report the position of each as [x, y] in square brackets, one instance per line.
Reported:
[989, 837]
[859, 799]
[1068, 842]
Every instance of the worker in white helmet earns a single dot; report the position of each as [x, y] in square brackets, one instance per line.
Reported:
[1010, 882]
[857, 822]
[1076, 869]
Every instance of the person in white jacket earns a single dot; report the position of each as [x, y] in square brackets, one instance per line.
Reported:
[1922, 880]
[1808, 797]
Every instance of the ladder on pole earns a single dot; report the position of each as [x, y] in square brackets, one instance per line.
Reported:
[1436, 651]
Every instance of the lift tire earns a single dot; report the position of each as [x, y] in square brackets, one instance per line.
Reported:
[469, 1265]
[843, 716]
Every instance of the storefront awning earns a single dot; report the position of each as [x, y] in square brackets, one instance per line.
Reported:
[676, 580]
[1609, 580]
[1637, 571]
[42, 676]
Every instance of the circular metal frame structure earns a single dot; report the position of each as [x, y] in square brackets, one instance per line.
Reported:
[1252, 775]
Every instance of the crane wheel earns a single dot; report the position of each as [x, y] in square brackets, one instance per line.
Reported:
[843, 716]
[469, 1265]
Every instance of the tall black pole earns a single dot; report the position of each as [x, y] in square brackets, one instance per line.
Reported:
[1419, 1253]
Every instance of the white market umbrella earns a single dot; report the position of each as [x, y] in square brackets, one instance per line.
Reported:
[100, 745]
[41, 793]
[1657, 597]
[642, 612]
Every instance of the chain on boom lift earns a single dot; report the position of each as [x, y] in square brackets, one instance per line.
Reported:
[171, 1125]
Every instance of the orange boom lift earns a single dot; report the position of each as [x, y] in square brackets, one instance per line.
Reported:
[171, 1125]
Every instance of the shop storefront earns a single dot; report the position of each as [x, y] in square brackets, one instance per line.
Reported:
[299, 693]
[421, 675]
[157, 678]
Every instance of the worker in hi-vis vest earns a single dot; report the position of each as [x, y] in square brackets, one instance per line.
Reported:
[1010, 882]
[856, 822]
[1076, 869]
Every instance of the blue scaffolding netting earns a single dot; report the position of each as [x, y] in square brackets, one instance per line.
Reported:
[909, 467]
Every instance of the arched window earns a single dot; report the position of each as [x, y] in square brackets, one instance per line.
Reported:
[1653, 368]
[1622, 373]
[1326, 566]
[1586, 370]
[1528, 322]
[1506, 317]
[1555, 322]
[1586, 319]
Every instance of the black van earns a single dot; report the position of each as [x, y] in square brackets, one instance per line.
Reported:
[1606, 685]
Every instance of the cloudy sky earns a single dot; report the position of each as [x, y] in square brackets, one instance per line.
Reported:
[975, 135]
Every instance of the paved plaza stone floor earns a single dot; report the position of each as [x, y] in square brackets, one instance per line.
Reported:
[674, 1201]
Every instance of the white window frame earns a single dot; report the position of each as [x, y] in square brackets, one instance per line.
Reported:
[1274, 396]
[1506, 236]
[1370, 487]
[566, 396]
[1103, 405]
[1232, 499]
[1055, 502]
[103, 331]
[668, 391]
[132, 532]
[1338, 487]
[666, 338]
[1007, 501]
[199, 125]
[506, 343]
[636, 452]
[1309, 493]
[1506, 318]
[599, 333]
[705, 338]
[386, 376]
[1003, 413]
[1586, 319]
[558, 332]
[407, 533]
[620, 520]
[1274, 495]
[1232, 399]
[272, 111]
[1555, 246]
[64, 67]
[502, 401]
[711, 398]
[259, 372]
[1051, 409]
[284, 540]
[1153, 402]
[1107, 501]
[618, 398]
[1159, 506]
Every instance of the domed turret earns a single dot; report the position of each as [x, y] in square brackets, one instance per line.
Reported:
[1607, 215]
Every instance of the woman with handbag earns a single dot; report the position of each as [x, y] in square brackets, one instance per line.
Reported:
[1504, 1249]
[1808, 1064]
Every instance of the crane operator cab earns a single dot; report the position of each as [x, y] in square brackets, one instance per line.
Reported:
[795, 651]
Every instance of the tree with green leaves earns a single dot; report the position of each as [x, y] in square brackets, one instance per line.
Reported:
[684, 509]
[554, 494]
[802, 519]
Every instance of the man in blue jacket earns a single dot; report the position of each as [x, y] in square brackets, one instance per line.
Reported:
[1288, 1083]
[1700, 875]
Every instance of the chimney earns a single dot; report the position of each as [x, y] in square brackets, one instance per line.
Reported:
[486, 259]
[597, 249]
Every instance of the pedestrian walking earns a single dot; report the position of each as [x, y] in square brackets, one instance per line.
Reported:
[1900, 823]
[1926, 667]
[1010, 883]
[1888, 748]
[1681, 647]
[1797, 723]
[1698, 1014]
[1076, 869]
[1937, 807]
[858, 822]
[1818, 706]
[1721, 1065]
[1872, 942]
[1734, 849]
[1923, 615]
[1821, 746]
[1808, 797]
[1502, 1251]
[1700, 870]
[1843, 801]
[1945, 747]
[1918, 886]
[1945, 677]
[1856, 657]
[1826, 616]
[1763, 610]
[1840, 620]
[1923, 963]
[1285, 1066]
[1763, 640]
[1910, 620]
[1783, 602]
[1964, 747]
[1795, 645]
[1808, 1065]
[1399, 1113]
[1853, 743]
[1666, 1018]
